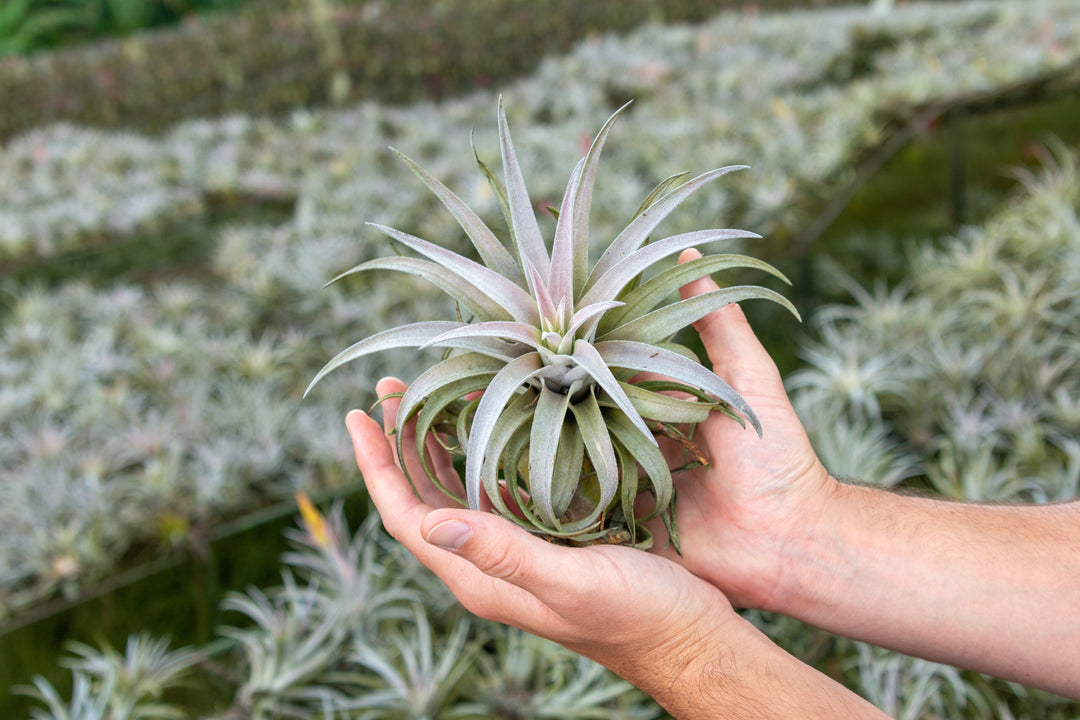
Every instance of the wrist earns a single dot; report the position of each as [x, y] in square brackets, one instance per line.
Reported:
[699, 673]
[803, 541]
[817, 554]
[737, 671]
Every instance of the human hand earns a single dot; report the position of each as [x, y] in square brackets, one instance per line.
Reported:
[767, 525]
[670, 633]
[623, 608]
[737, 516]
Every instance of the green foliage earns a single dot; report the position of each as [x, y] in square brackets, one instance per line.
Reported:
[28, 26]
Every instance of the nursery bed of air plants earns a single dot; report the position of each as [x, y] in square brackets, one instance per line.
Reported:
[223, 351]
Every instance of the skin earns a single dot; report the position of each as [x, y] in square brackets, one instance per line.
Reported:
[989, 588]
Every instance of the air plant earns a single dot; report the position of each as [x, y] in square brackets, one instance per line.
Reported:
[413, 675]
[296, 639]
[555, 346]
[525, 676]
[109, 685]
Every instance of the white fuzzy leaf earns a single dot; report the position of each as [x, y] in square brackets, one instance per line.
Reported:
[631, 238]
[608, 285]
[483, 239]
[650, 358]
[588, 358]
[503, 386]
[523, 220]
[412, 335]
[500, 289]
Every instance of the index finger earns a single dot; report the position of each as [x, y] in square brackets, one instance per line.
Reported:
[438, 459]
[401, 510]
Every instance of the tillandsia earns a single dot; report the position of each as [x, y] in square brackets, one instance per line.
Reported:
[555, 439]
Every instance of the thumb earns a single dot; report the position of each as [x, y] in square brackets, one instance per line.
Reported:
[728, 338]
[505, 552]
[494, 545]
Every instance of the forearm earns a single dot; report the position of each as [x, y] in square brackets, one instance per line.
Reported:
[735, 671]
[987, 587]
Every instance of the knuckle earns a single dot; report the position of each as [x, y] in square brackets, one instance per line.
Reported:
[499, 560]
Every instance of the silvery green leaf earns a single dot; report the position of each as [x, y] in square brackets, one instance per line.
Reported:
[495, 347]
[610, 284]
[666, 321]
[594, 434]
[465, 415]
[544, 303]
[679, 349]
[416, 681]
[503, 291]
[496, 186]
[703, 399]
[650, 358]
[412, 335]
[561, 277]
[457, 287]
[526, 230]
[514, 455]
[658, 191]
[433, 407]
[585, 320]
[631, 238]
[587, 357]
[648, 455]
[512, 332]
[490, 248]
[503, 387]
[651, 292]
[664, 408]
[583, 202]
[512, 425]
[543, 444]
[450, 370]
[568, 466]
[671, 522]
[628, 487]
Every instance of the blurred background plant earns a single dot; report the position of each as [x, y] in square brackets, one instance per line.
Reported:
[357, 629]
[109, 685]
[161, 313]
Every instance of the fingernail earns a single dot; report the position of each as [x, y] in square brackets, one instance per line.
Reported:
[449, 535]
